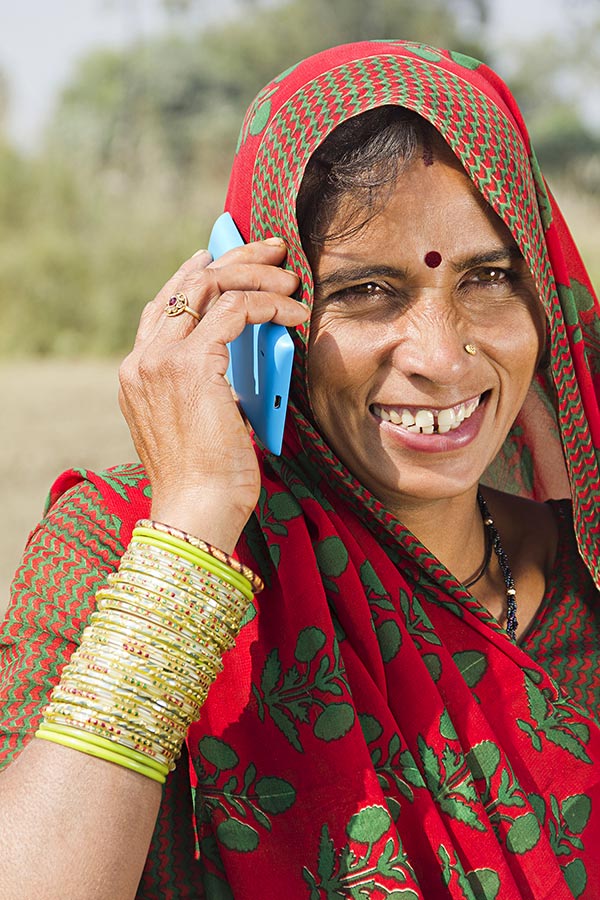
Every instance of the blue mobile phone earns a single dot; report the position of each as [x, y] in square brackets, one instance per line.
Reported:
[260, 359]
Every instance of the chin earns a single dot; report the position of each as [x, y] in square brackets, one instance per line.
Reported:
[426, 485]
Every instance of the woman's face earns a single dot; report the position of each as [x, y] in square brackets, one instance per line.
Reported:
[409, 411]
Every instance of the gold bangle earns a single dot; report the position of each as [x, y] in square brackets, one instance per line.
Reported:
[256, 582]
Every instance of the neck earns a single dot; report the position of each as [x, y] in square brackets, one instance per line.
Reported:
[451, 529]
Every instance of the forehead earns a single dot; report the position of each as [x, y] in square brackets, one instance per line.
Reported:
[430, 209]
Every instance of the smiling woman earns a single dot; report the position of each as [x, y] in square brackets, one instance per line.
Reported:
[413, 397]
[410, 710]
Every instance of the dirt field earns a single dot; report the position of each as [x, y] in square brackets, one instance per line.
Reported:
[55, 415]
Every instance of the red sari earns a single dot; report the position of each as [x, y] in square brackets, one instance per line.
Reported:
[374, 732]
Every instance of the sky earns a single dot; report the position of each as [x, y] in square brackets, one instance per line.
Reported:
[41, 40]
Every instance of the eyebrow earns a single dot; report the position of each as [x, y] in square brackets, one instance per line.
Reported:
[357, 274]
[495, 255]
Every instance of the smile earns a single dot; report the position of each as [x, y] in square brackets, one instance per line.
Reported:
[428, 421]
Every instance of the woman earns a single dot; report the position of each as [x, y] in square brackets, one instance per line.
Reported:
[410, 707]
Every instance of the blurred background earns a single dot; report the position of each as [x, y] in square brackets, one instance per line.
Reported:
[118, 121]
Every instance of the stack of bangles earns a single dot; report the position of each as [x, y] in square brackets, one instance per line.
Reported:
[150, 652]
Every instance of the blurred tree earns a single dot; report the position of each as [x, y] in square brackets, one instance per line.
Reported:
[551, 76]
[176, 103]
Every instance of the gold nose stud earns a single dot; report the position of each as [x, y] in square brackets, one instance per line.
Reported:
[471, 349]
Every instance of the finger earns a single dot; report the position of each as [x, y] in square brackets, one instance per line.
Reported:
[154, 310]
[272, 249]
[186, 308]
[257, 268]
[226, 320]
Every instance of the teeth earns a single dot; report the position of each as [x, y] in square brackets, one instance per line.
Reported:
[424, 418]
[424, 421]
[446, 420]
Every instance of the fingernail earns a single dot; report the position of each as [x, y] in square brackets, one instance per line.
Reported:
[274, 241]
[200, 252]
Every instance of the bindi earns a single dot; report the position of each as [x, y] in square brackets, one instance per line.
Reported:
[433, 259]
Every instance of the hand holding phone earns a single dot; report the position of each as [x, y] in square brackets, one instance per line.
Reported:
[260, 359]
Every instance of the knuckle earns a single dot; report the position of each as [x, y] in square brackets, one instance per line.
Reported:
[127, 371]
[147, 368]
[231, 301]
[204, 279]
[187, 266]
[148, 311]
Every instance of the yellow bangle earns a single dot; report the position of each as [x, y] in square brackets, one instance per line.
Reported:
[194, 555]
[47, 733]
[106, 744]
[255, 580]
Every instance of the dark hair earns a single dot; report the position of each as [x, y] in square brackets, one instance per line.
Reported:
[360, 160]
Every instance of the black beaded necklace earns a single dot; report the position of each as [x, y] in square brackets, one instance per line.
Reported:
[492, 541]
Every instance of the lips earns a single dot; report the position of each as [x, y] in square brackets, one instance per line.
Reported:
[427, 420]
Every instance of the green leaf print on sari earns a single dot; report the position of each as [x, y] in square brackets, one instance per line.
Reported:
[397, 771]
[449, 778]
[417, 621]
[310, 692]
[554, 721]
[500, 789]
[472, 665]
[365, 864]
[477, 884]
[273, 513]
[566, 821]
[332, 559]
[275, 510]
[247, 800]
[387, 630]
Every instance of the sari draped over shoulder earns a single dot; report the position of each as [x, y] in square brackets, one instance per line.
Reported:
[374, 732]
[424, 753]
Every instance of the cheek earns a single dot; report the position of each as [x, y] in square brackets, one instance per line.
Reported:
[339, 363]
[330, 354]
[519, 353]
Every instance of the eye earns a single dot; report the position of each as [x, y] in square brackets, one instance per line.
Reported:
[372, 300]
[490, 278]
[360, 294]
[369, 288]
[491, 275]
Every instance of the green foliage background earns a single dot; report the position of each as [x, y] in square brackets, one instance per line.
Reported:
[134, 165]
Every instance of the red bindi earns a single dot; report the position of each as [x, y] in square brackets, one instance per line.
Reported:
[433, 259]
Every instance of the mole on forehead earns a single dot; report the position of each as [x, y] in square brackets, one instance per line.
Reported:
[433, 259]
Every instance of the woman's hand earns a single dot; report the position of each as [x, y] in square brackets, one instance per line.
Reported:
[184, 420]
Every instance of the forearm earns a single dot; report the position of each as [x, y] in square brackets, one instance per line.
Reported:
[73, 827]
[80, 826]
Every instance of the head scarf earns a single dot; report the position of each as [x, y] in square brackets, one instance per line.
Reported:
[478, 118]
[375, 733]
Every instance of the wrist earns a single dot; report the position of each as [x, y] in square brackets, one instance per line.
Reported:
[219, 525]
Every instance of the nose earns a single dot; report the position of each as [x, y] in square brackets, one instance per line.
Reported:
[431, 345]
